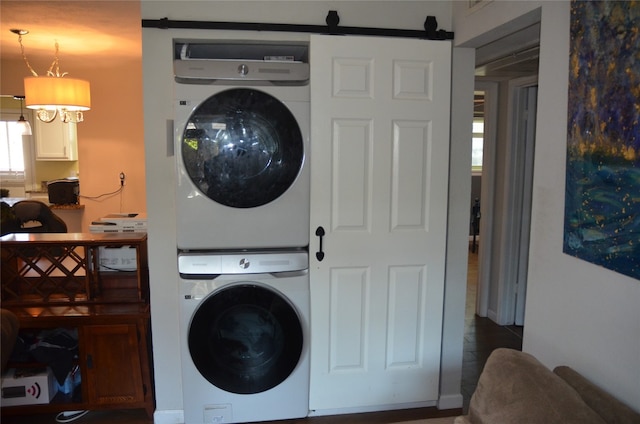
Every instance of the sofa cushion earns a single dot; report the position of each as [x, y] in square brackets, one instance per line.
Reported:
[608, 407]
[514, 387]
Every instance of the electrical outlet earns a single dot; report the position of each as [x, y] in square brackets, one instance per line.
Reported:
[122, 178]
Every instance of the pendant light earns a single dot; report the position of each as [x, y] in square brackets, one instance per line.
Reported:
[55, 94]
[25, 126]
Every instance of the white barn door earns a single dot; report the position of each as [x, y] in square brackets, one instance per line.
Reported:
[379, 181]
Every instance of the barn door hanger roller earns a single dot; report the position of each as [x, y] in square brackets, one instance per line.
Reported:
[430, 32]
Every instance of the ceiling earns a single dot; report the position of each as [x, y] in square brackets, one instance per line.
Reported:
[98, 31]
[511, 56]
[89, 33]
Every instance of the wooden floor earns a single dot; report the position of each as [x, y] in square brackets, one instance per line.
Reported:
[139, 417]
[481, 337]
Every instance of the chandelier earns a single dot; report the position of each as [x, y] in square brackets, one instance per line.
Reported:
[54, 94]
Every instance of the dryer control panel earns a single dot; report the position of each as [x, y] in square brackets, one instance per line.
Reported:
[199, 61]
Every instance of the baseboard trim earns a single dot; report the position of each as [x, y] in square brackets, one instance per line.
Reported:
[451, 401]
[492, 315]
[375, 408]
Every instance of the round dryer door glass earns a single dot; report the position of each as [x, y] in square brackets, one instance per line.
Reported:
[245, 339]
[242, 148]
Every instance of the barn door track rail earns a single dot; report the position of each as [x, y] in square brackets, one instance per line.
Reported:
[430, 32]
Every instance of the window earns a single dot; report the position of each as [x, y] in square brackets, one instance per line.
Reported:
[16, 156]
[12, 163]
[477, 132]
[477, 141]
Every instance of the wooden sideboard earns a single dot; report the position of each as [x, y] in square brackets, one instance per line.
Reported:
[58, 281]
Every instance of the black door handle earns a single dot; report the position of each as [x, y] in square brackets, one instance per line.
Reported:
[320, 253]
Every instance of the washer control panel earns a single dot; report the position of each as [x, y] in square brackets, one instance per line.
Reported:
[199, 263]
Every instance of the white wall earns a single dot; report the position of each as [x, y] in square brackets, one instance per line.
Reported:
[158, 108]
[457, 227]
[577, 313]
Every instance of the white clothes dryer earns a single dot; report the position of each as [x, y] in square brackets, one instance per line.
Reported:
[244, 336]
[242, 115]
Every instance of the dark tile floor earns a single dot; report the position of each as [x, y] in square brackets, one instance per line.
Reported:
[481, 337]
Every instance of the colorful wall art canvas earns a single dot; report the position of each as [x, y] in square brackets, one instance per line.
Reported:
[602, 201]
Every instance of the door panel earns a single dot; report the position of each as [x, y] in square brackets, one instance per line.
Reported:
[245, 339]
[351, 199]
[349, 292]
[379, 163]
[406, 315]
[242, 148]
[409, 182]
[109, 348]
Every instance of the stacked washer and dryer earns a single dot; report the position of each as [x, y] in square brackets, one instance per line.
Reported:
[242, 207]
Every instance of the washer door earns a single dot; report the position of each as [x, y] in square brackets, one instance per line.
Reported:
[245, 339]
[242, 148]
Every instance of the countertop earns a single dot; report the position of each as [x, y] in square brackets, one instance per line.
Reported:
[71, 207]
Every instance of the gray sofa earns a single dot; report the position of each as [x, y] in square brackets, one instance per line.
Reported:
[515, 387]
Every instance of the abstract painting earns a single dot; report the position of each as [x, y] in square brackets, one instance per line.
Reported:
[602, 200]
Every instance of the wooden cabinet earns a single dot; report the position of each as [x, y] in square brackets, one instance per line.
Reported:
[53, 281]
[56, 140]
[113, 355]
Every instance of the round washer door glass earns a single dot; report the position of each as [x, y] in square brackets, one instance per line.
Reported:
[242, 148]
[245, 339]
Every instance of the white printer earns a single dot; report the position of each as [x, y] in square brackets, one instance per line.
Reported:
[119, 258]
[120, 223]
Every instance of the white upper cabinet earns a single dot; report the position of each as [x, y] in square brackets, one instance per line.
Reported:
[56, 141]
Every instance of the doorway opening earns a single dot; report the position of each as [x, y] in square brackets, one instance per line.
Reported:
[504, 110]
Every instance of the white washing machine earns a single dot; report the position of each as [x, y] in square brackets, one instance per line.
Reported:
[241, 144]
[244, 336]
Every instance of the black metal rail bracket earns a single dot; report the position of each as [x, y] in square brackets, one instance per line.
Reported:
[430, 32]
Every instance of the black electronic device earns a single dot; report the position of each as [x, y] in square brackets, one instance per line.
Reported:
[64, 191]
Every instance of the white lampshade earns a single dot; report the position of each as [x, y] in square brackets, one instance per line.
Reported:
[24, 125]
[71, 94]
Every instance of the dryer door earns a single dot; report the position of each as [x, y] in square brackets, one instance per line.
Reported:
[242, 148]
[245, 338]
